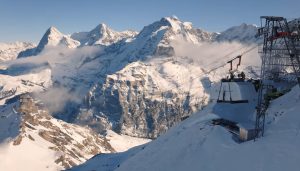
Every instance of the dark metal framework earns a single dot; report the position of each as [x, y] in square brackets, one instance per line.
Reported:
[280, 60]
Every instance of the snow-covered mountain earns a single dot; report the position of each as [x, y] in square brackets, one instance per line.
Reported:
[10, 51]
[136, 84]
[18, 80]
[29, 132]
[36, 134]
[102, 35]
[243, 33]
[155, 39]
[294, 26]
[163, 31]
[51, 38]
[138, 94]
[139, 100]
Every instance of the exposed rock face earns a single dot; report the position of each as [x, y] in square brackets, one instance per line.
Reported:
[135, 105]
[27, 105]
[73, 144]
[127, 98]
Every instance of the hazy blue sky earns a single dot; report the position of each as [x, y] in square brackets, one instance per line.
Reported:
[27, 20]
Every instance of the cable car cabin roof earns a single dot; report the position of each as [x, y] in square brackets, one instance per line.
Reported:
[224, 80]
[272, 18]
[235, 91]
[232, 101]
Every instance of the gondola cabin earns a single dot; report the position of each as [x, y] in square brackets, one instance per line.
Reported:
[230, 89]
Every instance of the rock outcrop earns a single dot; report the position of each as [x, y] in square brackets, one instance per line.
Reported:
[131, 102]
[73, 144]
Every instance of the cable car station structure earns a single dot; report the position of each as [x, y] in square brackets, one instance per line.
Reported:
[280, 68]
[280, 60]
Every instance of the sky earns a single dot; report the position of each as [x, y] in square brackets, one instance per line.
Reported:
[27, 20]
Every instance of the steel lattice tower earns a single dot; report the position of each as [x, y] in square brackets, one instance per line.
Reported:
[280, 60]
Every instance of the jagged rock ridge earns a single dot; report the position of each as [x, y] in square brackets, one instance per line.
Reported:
[102, 35]
[70, 143]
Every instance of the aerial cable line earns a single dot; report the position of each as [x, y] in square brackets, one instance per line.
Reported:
[220, 66]
[227, 55]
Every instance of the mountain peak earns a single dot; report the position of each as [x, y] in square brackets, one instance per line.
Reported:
[245, 25]
[175, 23]
[101, 27]
[171, 18]
[170, 28]
[53, 29]
[170, 21]
[53, 32]
[52, 37]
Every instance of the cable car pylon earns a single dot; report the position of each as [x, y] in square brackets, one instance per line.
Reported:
[280, 53]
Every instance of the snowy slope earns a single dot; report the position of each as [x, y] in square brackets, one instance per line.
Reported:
[10, 51]
[28, 132]
[122, 143]
[243, 33]
[196, 144]
[40, 135]
[31, 82]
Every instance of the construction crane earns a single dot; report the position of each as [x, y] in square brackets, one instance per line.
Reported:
[280, 53]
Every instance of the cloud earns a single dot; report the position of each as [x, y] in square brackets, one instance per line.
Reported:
[210, 55]
[64, 63]
[55, 98]
[204, 55]
[59, 54]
